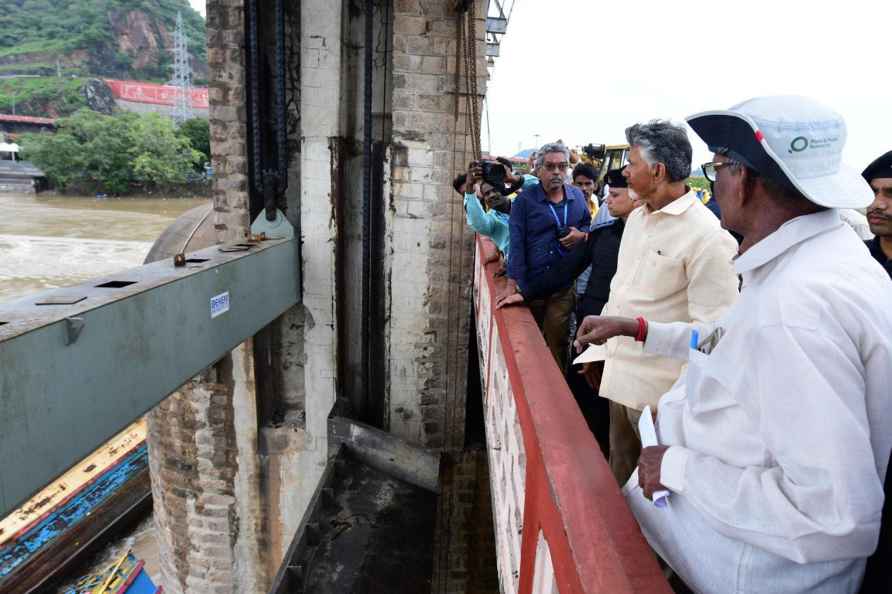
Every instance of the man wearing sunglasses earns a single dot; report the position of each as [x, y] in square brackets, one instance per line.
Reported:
[879, 214]
[775, 440]
[547, 221]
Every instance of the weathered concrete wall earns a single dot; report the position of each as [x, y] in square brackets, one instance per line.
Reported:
[430, 251]
[297, 449]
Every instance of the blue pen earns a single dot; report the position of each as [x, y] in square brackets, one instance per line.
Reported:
[695, 339]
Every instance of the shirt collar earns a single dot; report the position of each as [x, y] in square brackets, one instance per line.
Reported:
[568, 193]
[679, 205]
[791, 233]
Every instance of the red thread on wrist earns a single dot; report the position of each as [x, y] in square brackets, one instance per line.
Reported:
[642, 330]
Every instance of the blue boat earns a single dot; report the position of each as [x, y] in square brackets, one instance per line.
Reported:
[126, 576]
[62, 524]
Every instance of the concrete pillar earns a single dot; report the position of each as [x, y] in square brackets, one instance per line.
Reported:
[203, 439]
[430, 262]
[234, 462]
[235, 459]
[296, 447]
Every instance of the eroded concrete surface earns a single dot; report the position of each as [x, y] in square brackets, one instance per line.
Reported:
[375, 534]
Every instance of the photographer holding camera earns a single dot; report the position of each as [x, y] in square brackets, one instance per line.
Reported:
[491, 182]
[546, 221]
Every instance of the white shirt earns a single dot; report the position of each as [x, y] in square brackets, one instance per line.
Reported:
[857, 221]
[780, 437]
[674, 265]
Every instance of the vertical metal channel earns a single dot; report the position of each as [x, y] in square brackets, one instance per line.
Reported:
[265, 80]
[367, 281]
[281, 114]
[267, 117]
[253, 76]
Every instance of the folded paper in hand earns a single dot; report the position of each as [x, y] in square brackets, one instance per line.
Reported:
[649, 438]
[594, 352]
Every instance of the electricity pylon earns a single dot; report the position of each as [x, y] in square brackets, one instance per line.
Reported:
[182, 75]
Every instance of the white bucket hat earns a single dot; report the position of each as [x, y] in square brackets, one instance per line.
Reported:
[794, 140]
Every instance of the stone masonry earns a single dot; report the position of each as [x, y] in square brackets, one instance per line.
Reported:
[465, 548]
[431, 246]
[230, 486]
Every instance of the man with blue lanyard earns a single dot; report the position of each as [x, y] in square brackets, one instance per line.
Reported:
[546, 221]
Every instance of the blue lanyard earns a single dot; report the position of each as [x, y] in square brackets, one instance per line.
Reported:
[554, 214]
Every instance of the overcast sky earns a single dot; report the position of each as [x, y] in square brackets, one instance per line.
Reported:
[583, 70]
[198, 5]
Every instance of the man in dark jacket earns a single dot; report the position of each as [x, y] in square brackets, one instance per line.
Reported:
[600, 251]
[879, 214]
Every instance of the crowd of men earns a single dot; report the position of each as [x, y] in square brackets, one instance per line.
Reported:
[758, 331]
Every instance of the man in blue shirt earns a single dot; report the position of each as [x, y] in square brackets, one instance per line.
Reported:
[546, 221]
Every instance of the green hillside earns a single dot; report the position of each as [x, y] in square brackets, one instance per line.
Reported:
[128, 39]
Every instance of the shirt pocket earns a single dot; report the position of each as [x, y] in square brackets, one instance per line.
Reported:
[705, 389]
[662, 275]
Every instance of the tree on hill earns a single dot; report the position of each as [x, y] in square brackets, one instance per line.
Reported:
[117, 154]
[198, 131]
[34, 34]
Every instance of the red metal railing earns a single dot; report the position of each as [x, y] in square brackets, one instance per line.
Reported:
[561, 522]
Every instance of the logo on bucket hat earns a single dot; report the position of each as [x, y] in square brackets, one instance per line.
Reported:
[799, 144]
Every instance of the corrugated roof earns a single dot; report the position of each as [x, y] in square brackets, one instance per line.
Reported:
[5, 117]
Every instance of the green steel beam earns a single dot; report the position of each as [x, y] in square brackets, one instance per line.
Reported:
[79, 364]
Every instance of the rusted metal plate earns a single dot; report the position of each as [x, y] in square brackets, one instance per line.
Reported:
[61, 396]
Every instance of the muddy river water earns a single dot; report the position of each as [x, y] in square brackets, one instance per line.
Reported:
[55, 241]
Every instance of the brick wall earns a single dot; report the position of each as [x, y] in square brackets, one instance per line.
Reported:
[431, 253]
[507, 461]
[204, 491]
[465, 549]
[504, 437]
[228, 116]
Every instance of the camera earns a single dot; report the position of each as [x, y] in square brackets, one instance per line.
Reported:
[493, 170]
[495, 174]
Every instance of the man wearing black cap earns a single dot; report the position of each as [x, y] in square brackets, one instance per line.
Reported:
[879, 214]
[775, 439]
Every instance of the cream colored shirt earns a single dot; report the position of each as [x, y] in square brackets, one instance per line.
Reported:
[674, 265]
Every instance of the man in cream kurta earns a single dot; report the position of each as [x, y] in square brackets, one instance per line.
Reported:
[675, 265]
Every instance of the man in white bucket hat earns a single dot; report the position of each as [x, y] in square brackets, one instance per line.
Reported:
[775, 440]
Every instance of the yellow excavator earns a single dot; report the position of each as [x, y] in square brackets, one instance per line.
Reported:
[603, 157]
